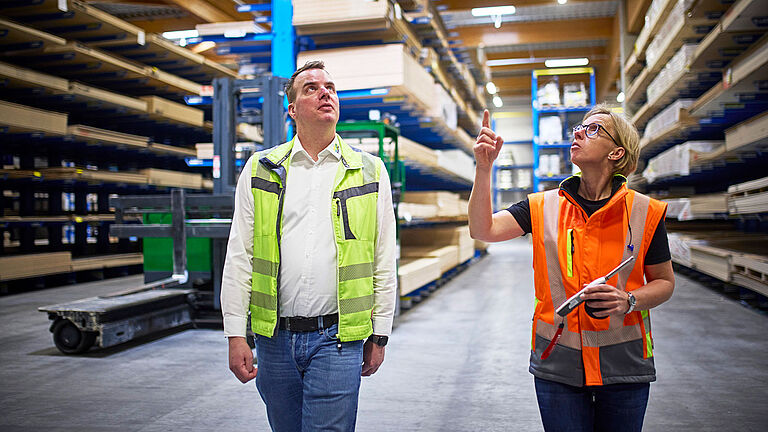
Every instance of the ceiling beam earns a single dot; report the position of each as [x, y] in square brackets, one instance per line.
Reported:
[164, 25]
[453, 5]
[205, 10]
[606, 77]
[636, 15]
[536, 32]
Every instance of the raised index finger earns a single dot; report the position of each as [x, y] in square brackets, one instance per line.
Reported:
[486, 119]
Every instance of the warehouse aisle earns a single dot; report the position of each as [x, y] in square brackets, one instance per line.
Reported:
[456, 362]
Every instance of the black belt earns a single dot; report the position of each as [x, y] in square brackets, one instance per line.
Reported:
[308, 324]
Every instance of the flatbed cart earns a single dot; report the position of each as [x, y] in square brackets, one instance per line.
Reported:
[155, 306]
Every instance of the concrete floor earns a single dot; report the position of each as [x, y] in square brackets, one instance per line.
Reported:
[456, 362]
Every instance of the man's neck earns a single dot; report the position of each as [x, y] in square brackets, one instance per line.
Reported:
[314, 140]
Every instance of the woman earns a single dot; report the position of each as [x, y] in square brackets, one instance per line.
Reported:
[592, 368]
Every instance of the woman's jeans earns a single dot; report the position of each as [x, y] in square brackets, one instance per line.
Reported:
[307, 382]
[613, 407]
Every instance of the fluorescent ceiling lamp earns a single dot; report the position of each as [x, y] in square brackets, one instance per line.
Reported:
[497, 102]
[491, 87]
[494, 10]
[620, 97]
[180, 34]
[566, 62]
[513, 61]
[562, 1]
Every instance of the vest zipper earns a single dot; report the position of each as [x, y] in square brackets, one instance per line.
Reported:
[571, 245]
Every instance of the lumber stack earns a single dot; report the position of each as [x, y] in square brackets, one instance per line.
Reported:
[705, 206]
[447, 255]
[445, 203]
[96, 135]
[174, 111]
[441, 236]
[414, 273]
[161, 177]
[22, 118]
[23, 266]
[749, 134]
[749, 197]
[677, 161]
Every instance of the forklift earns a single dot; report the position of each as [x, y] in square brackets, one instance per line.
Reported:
[198, 226]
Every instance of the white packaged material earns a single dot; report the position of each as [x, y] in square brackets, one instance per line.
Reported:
[550, 130]
[677, 160]
[548, 94]
[671, 71]
[667, 117]
[456, 162]
[574, 94]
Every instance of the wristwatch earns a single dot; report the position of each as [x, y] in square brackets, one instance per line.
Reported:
[379, 340]
[632, 302]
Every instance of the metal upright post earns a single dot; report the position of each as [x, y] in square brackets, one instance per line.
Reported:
[224, 135]
[179, 232]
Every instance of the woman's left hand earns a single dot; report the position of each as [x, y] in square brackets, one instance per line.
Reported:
[609, 299]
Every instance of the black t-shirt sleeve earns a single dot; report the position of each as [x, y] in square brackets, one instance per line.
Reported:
[522, 213]
[658, 250]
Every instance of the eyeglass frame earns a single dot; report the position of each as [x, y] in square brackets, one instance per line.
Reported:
[599, 126]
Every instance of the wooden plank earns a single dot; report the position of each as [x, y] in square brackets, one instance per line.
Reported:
[107, 261]
[415, 273]
[172, 150]
[174, 111]
[27, 119]
[91, 176]
[125, 102]
[750, 133]
[21, 77]
[447, 255]
[96, 135]
[23, 266]
[16, 38]
[76, 20]
[161, 177]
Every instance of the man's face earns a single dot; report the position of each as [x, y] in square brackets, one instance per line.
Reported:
[316, 98]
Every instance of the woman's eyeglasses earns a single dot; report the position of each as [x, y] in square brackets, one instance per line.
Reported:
[592, 129]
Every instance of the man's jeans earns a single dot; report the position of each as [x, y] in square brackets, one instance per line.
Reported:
[307, 382]
[614, 407]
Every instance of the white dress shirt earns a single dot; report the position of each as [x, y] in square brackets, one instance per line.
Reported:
[308, 265]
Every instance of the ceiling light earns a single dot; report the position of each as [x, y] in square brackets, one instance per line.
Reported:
[620, 97]
[491, 87]
[513, 61]
[562, 1]
[566, 62]
[494, 10]
[181, 34]
[497, 102]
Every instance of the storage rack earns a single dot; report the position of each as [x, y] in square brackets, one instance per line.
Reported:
[91, 114]
[722, 78]
[568, 117]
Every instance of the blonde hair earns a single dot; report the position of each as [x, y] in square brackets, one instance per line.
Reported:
[626, 136]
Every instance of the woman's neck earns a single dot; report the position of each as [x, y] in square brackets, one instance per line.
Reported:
[595, 187]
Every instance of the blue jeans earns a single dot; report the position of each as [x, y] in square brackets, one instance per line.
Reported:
[613, 407]
[307, 382]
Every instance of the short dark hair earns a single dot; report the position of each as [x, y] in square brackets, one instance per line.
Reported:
[289, 90]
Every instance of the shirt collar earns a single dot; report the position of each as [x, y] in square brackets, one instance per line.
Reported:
[571, 184]
[333, 149]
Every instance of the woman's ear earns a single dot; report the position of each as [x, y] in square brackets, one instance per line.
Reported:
[616, 154]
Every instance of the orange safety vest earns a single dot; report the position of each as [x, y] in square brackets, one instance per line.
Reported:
[571, 250]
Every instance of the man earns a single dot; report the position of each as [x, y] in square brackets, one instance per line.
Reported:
[311, 255]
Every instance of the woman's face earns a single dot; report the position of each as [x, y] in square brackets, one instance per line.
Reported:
[596, 150]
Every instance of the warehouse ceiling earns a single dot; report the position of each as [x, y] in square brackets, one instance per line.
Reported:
[538, 30]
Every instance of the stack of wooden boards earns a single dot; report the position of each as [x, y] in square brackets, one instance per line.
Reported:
[428, 253]
[431, 205]
[737, 258]
[450, 164]
[24, 266]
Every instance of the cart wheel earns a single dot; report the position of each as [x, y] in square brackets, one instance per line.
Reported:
[71, 340]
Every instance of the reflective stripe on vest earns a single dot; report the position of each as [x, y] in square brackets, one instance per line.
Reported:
[580, 340]
[355, 199]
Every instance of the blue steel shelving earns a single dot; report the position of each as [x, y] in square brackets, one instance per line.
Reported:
[566, 114]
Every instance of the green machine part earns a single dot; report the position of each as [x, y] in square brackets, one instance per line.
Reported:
[158, 251]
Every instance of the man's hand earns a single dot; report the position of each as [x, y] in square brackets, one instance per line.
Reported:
[488, 144]
[373, 357]
[241, 359]
[611, 300]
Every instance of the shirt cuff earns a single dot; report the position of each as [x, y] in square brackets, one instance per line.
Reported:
[235, 326]
[382, 326]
